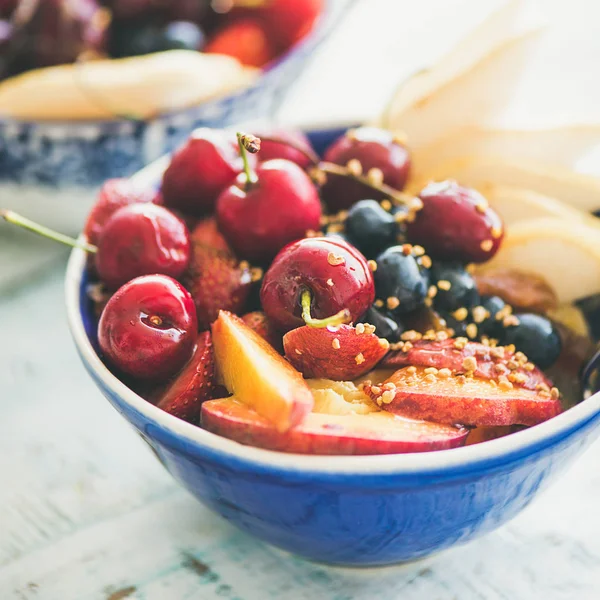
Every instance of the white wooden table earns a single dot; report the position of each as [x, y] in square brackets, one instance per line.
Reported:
[87, 513]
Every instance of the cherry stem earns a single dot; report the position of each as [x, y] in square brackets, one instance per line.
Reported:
[16, 219]
[388, 191]
[248, 143]
[340, 318]
[307, 152]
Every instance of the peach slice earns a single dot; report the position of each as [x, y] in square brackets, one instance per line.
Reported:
[373, 433]
[420, 394]
[489, 363]
[250, 368]
[340, 353]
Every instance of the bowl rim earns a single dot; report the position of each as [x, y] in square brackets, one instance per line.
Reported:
[320, 28]
[500, 450]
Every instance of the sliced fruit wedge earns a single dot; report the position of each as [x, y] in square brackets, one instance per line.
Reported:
[460, 358]
[373, 433]
[193, 385]
[340, 353]
[250, 368]
[458, 399]
[566, 254]
[479, 171]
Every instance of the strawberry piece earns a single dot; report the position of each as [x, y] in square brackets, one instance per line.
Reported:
[258, 322]
[114, 194]
[418, 394]
[490, 362]
[215, 278]
[193, 385]
[340, 353]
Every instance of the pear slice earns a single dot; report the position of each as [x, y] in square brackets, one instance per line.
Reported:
[566, 254]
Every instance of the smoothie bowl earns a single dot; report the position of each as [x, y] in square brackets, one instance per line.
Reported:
[393, 384]
[100, 91]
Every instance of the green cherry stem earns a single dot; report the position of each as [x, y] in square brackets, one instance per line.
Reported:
[312, 156]
[248, 143]
[340, 318]
[16, 219]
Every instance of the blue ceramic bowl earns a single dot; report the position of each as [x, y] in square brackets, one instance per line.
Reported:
[345, 510]
[52, 170]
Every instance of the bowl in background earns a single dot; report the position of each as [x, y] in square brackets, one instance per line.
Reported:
[50, 171]
[343, 510]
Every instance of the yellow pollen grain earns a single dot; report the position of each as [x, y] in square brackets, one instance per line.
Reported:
[359, 358]
[411, 335]
[432, 291]
[407, 249]
[330, 282]
[469, 363]
[486, 245]
[418, 251]
[369, 328]
[407, 346]
[496, 232]
[372, 266]
[554, 393]
[375, 176]
[388, 397]
[384, 343]
[386, 205]
[376, 390]
[482, 207]
[400, 217]
[392, 302]
[335, 344]
[480, 314]
[460, 314]
[441, 336]
[431, 378]
[471, 330]
[431, 370]
[444, 284]
[354, 167]
[244, 265]
[360, 329]
[426, 261]
[504, 383]
[299, 352]
[510, 321]
[379, 303]
[411, 370]
[335, 259]
[444, 373]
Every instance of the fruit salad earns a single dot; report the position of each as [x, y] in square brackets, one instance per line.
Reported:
[308, 304]
[94, 59]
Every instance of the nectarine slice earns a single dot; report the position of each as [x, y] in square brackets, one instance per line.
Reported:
[340, 353]
[373, 433]
[250, 368]
[422, 394]
[451, 354]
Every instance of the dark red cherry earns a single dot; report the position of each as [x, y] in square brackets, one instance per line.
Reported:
[335, 273]
[456, 223]
[200, 170]
[114, 194]
[148, 328]
[371, 150]
[284, 143]
[267, 208]
[288, 21]
[142, 239]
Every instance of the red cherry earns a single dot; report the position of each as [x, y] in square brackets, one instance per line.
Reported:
[265, 210]
[371, 148]
[456, 223]
[284, 143]
[148, 328]
[246, 40]
[290, 20]
[336, 274]
[114, 194]
[142, 239]
[199, 171]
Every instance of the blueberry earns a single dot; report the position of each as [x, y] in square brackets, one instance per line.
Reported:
[536, 337]
[456, 287]
[385, 326]
[370, 228]
[400, 280]
[491, 326]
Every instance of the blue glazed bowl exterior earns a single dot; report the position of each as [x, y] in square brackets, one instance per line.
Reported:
[361, 511]
[84, 154]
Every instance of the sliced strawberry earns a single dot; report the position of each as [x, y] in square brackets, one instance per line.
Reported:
[341, 353]
[215, 278]
[193, 385]
[257, 321]
[114, 194]
[489, 363]
[419, 394]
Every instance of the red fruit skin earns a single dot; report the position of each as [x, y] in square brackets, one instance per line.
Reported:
[215, 278]
[284, 147]
[455, 222]
[246, 40]
[444, 355]
[375, 149]
[260, 219]
[142, 239]
[258, 322]
[311, 351]
[288, 21]
[304, 265]
[136, 346]
[326, 434]
[200, 170]
[114, 194]
[193, 384]
[473, 402]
